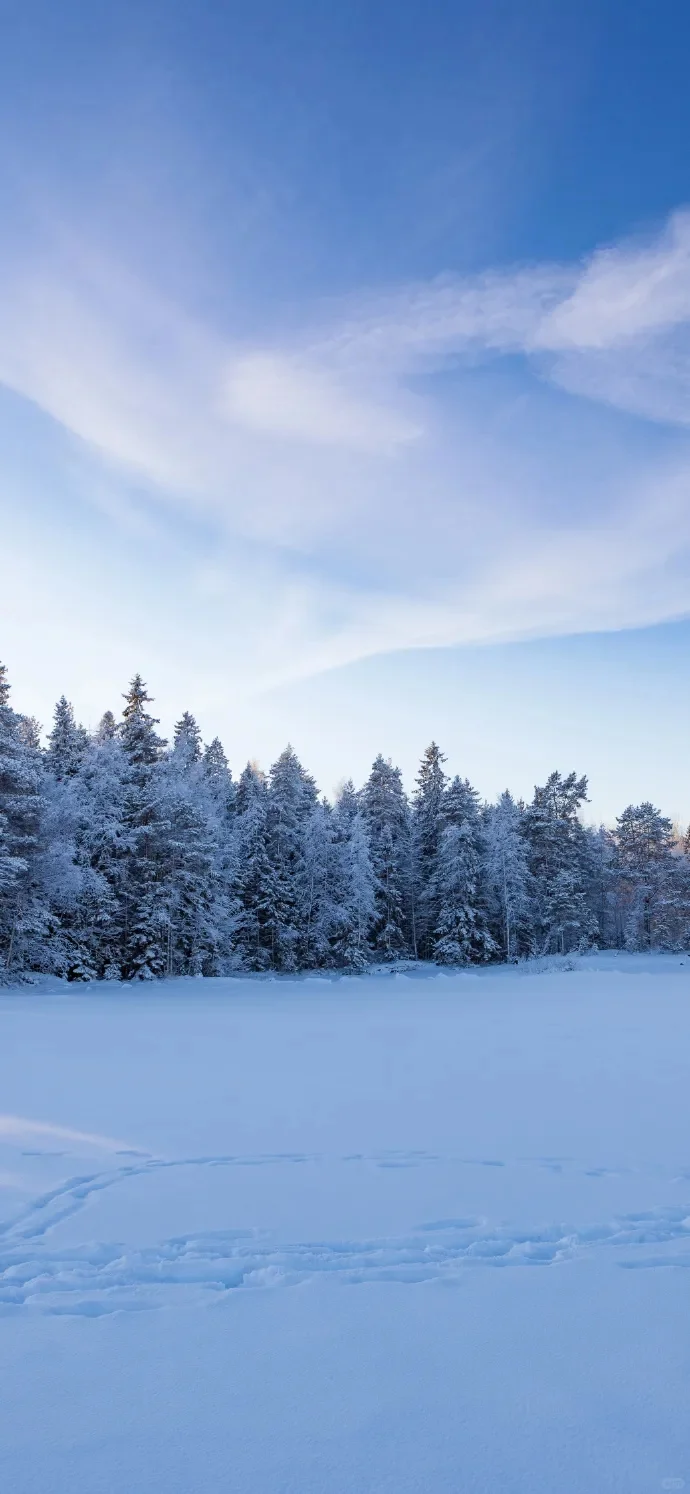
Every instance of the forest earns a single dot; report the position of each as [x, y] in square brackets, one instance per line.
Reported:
[124, 857]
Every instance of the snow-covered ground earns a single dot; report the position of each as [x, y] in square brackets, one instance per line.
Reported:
[409, 1234]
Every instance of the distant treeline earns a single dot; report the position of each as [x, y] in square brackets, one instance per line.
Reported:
[124, 858]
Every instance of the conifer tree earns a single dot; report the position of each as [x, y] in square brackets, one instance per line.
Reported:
[67, 743]
[650, 890]
[187, 740]
[106, 729]
[291, 799]
[214, 760]
[359, 900]
[385, 813]
[428, 824]
[319, 890]
[559, 864]
[104, 854]
[508, 878]
[191, 892]
[24, 915]
[254, 934]
[460, 934]
[145, 924]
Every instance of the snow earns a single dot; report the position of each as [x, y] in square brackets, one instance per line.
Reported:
[378, 1235]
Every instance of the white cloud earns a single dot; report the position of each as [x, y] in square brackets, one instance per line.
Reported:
[358, 506]
[625, 293]
[285, 396]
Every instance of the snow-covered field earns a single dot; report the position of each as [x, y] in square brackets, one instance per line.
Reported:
[369, 1236]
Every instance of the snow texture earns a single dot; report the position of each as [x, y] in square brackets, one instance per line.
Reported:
[384, 1233]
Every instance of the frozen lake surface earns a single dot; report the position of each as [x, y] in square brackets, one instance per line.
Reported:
[408, 1234]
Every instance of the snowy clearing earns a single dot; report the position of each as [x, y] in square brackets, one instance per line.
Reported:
[376, 1235]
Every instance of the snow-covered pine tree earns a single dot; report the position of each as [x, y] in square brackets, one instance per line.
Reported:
[187, 740]
[221, 790]
[559, 865]
[359, 900]
[507, 878]
[292, 796]
[460, 934]
[346, 808]
[254, 930]
[103, 854]
[144, 948]
[68, 743]
[351, 883]
[192, 889]
[106, 729]
[462, 806]
[319, 890]
[427, 826]
[215, 761]
[25, 924]
[385, 813]
[12, 864]
[601, 887]
[650, 889]
[218, 780]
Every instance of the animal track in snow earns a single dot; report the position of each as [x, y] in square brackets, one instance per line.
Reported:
[94, 1279]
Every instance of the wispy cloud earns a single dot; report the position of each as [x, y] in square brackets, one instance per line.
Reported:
[624, 293]
[382, 504]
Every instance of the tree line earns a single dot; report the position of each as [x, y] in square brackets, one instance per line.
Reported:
[125, 858]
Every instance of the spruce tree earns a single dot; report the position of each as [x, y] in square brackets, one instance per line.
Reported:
[292, 797]
[104, 853]
[650, 889]
[67, 743]
[106, 729]
[25, 925]
[214, 760]
[254, 934]
[508, 879]
[145, 925]
[428, 823]
[359, 899]
[385, 813]
[460, 934]
[558, 861]
[187, 740]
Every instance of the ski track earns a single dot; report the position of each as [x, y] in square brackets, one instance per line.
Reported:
[100, 1278]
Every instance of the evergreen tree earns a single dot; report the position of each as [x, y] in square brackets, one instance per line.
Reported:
[214, 760]
[104, 854]
[106, 729]
[144, 951]
[67, 743]
[428, 824]
[187, 740]
[346, 808]
[460, 934]
[353, 894]
[319, 891]
[192, 888]
[291, 799]
[650, 892]
[25, 926]
[385, 813]
[508, 878]
[218, 781]
[359, 897]
[559, 864]
[462, 806]
[254, 934]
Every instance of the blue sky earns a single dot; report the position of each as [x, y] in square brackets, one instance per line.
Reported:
[345, 378]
